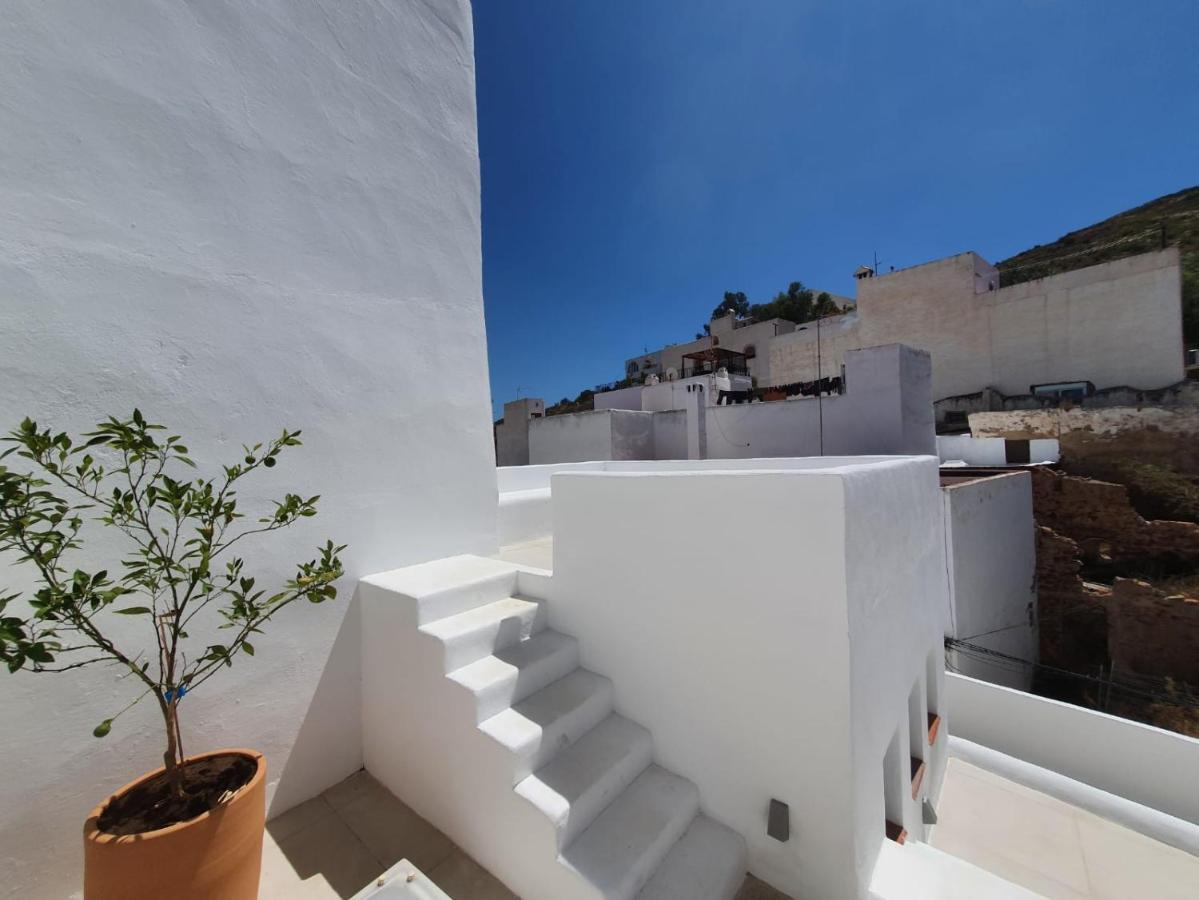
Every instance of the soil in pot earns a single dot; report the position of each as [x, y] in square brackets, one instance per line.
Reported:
[152, 805]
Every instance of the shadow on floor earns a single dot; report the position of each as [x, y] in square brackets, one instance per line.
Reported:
[337, 843]
[332, 846]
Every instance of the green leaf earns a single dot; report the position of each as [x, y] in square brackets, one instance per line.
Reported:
[102, 729]
[248, 647]
[134, 611]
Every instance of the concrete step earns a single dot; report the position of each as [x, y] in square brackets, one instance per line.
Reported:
[706, 863]
[580, 782]
[446, 587]
[514, 672]
[480, 632]
[620, 850]
[539, 727]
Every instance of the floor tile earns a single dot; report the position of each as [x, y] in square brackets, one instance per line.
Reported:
[756, 889]
[1123, 863]
[464, 879]
[360, 784]
[298, 817]
[392, 831]
[1020, 834]
[328, 850]
[986, 821]
[537, 553]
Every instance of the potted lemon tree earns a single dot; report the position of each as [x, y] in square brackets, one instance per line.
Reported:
[192, 828]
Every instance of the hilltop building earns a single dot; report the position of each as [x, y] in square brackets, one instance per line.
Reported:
[743, 336]
[1117, 324]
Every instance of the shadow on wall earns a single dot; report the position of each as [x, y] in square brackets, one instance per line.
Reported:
[333, 710]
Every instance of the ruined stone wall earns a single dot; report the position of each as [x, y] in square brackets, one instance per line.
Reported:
[1099, 517]
[1072, 614]
[1153, 633]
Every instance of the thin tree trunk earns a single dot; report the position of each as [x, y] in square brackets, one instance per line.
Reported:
[174, 752]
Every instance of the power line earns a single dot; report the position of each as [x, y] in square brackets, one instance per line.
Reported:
[1011, 663]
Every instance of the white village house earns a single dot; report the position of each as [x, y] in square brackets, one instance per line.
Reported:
[235, 219]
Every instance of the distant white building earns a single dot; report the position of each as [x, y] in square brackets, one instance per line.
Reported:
[742, 336]
[879, 403]
[1114, 324]
[1118, 323]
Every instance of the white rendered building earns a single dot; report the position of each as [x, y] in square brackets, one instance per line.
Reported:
[231, 219]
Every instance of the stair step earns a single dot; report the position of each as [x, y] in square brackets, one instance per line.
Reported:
[514, 672]
[620, 850]
[706, 863]
[479, 632]
[545, 723]
[580, 782]
[446, 587]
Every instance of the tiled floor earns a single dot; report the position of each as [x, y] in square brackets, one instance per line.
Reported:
[538, 553]
[334, 845]
[1051, 847]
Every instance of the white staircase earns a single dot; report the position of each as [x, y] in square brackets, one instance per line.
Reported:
[480, 717]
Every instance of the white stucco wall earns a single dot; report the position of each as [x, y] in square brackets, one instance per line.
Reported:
[1117, 323]
[599, 435]
[1141, 763]
[670, 435]
[991, 551]
[886, 409]
[239, 218]
[666, 395]
[835, 653]
[992, 451]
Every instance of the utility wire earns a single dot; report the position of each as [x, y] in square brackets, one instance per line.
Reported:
[1016, 664]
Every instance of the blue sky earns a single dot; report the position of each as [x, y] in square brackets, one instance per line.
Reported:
[641, 157]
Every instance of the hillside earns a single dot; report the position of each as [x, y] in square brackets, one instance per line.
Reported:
[1173, 219]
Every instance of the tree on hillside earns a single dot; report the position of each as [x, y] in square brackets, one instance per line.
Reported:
[734, 302]
[796, 304]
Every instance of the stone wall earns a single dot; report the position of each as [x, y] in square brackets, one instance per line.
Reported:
[1166, 435]
[1072, 615]
[1153, 633]
[957, 410]
[1098, 516]
[1134, 626]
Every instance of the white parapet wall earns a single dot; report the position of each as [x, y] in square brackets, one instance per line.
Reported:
[526, 511]
[602, 434]
[995, 451]
[886, 408]
[1150, 766]
[760, 682]
[991, 553]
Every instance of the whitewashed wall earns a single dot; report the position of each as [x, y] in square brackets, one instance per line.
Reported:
[835, 652]
[991, 551]
[1117, 323]
[992, 451]
[599, 435]
[1141, 763]
[886, 409]
[241, 217]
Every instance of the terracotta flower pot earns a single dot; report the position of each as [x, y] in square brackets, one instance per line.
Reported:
[218, 854]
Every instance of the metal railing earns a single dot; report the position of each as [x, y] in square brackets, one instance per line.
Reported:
[710, 369]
